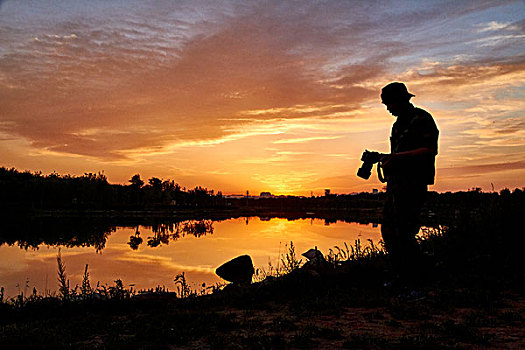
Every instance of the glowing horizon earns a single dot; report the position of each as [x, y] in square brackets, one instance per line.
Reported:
[273, 96]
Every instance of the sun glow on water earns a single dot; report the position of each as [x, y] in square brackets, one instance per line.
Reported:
[147, 266]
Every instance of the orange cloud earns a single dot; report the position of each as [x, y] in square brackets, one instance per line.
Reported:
[203, 94]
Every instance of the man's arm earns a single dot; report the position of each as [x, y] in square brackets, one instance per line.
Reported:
[427, 132]
[392, 157]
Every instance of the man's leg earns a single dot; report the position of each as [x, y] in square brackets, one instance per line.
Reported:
[400, 227]
[390, 229]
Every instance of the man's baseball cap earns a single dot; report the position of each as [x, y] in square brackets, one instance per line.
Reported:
[395, 92]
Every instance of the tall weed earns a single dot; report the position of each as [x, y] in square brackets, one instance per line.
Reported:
[85, 289]
[355, 252]
[184, 290]
[289, 259]
[63, 282]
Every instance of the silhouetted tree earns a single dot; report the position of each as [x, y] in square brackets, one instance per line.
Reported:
[155, 183]
[136, 181]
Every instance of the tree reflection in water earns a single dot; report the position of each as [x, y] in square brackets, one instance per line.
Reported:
[135, 240]
[29, 232]
[164, 232]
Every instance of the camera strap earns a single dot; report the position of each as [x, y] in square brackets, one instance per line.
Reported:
[380, 173]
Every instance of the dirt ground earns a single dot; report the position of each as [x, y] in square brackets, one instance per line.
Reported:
[424, 323]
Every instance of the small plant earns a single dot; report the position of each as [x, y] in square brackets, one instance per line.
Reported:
[432, 232]
[355, 252]
[289, 260]
[184, 289]
[85, 289]
[63, 282]
[336, 257]
[118, 291]
[18, 301]
[262, 273]
[285, 264]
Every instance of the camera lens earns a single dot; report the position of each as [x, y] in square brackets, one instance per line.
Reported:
[365, 170]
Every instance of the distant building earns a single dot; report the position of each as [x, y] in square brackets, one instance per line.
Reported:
[327, 192]
[265, 195]
[235, 196]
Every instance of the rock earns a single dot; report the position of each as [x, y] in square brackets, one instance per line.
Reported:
[238, 270]
[316, 261]
[314, 255]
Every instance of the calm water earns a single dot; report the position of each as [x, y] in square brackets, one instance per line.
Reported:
[197, 254]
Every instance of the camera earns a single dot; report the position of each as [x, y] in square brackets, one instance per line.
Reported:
[369, 158]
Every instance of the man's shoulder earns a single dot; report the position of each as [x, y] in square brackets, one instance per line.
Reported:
[422, 117]
[421, 113]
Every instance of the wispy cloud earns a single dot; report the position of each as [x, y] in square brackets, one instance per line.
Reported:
[494, 26]
[483, 168]
[138, 82]
[308, 139]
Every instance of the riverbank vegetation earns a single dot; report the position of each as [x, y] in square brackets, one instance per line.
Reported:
[55, 195]
[470, 297]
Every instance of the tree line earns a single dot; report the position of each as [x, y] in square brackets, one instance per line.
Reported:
[24, 189]
[92, 190]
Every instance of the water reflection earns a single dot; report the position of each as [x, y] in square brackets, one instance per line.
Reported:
[152, 254]
[33, 232]
[163, 233]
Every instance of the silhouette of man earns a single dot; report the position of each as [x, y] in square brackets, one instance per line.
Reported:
[409, 169]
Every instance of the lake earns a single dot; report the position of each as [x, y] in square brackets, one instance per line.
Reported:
[149, 256]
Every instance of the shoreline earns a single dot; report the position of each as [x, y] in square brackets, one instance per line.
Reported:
[343, 308]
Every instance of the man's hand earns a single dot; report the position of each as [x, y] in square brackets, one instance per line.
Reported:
[388, 159]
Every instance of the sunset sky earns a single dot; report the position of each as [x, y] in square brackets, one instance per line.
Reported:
[279, 96]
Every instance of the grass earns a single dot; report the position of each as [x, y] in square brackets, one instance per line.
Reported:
[289, 261]
[63, 282]
[356, 252]
[473, 299]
